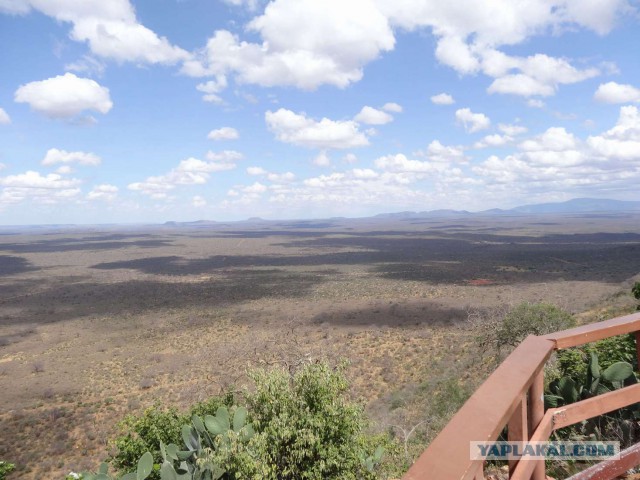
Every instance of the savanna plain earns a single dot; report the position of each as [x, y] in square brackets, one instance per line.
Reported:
[99, 322]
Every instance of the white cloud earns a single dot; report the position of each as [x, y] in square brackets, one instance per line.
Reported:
[54, 156]
[401, 164]
[256, 171]
[372, 116]
[191, 171]
[64, 96]
[558, 162]
[350, 158]
[533, 75]
[224, 133]
[495, 140]
[322, 160]
[555, 139]
[212, 88]
[512, 130]
[198, 201]
[443, 99]
[64, 170]
[105, 192]
[305, 44]
[88, 65]
[297, 129]
[613, 92]
[535, 103]
[392, 107]
[47, 189]
[437, 152]
[622, 142]
[5, 119]
[472, 122]
[110, 28]
[520, 84]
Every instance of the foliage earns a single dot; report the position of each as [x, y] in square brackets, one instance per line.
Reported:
[5, 469]
[621, 424]
[297, 426]
[307, 426]
[635, 290]
[507, 329]
[573, 362]
[145, 432]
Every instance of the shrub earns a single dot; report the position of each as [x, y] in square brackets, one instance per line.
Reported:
[635, 290]
[306, 425]
[5, 469]
[298, 426]
[155, 425]
[508, 329]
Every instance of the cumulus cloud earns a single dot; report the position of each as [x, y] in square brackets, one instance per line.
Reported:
[4, 117]
[55, 156]
[191, 171]
[443, 99]
[372, 116]
[305, 44]
[224, 133]
[512, 130]
[392, 107]
[558, 161]
[48, 189]
[64, 96]
[298, 129]
[472, 122]
[622, 142]
[613, 92]
[537, 75]
[212, 88]
[322, 160]
[110, 29]
[104, 192]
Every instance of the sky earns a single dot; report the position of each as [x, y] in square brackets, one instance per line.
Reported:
[126, 111]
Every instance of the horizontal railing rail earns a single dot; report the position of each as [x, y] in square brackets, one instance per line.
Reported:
[512, 397]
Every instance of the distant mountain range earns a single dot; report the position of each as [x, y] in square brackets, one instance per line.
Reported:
[576, 205]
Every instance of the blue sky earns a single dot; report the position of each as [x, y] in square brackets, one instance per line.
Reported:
[147, 111]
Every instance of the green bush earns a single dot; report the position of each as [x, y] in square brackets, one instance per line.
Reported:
[506, 329]
[573, 362]
[307, 428]
[635, 290]
[301, 426]
[156, 424]
[5, 469]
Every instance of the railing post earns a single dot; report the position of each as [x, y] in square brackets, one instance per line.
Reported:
[637, 335]
[518, 428]
[536, 412]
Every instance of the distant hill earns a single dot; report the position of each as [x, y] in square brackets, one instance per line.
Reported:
[580, 205]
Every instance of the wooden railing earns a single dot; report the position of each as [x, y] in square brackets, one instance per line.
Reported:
[513, 397]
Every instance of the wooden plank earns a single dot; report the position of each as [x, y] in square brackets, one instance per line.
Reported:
[483, 416]
[596, 331]
[525, 468]
[536, 413]
[592, 407]
[609, 469]
[518, 428]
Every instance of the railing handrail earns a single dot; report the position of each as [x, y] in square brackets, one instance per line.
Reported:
[490, 408]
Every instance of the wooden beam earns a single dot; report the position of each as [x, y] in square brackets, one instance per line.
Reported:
[518, 428]
[592, 407]
[526, 468]
[609, 469]
[596, 331]
[483, 416]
